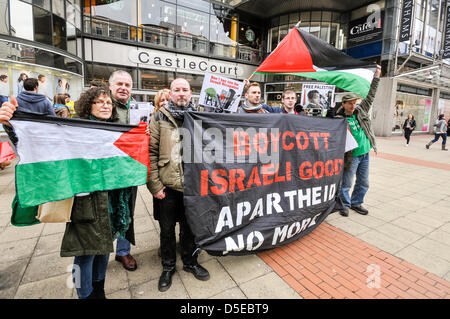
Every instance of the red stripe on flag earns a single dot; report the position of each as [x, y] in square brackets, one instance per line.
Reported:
[6, 152]
[291, 55]
[135, 143]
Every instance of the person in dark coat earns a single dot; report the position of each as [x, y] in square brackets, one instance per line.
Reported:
[408, 127]
[31, 101]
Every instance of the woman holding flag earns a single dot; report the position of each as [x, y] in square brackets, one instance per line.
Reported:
[97, 218]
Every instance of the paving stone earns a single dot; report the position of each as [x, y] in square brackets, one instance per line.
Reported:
[440, 236]
[14, 233]
[268, 286]
[434, 247]
[116, 277]
[48, 244]
[349, 226]
[382, 241]
[17, 250]
[149, 268]
[149, 290]
[53, 228]
[121, 294]
[51, 288]
[10, 276]
[47, 266]
[219, 281]
[232, 293]
[244, 268]
[409, 224]
[143, 224]
[400, 234]
[145, 242]
[425, 260]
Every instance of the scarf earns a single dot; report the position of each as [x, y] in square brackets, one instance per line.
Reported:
[119, 211]
[253, 109]
[177, 113]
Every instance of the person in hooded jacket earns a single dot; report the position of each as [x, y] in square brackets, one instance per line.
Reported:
[31, 101]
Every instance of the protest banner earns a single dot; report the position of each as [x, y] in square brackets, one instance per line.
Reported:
[221, 92]
[317, 98]
[254, 182]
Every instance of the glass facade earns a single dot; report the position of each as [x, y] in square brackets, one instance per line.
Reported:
[325, 25]
[53, 23]
[419, 105]
[194, 26]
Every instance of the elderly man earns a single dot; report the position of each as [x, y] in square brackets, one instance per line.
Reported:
[357, 161]
[120, 84]
[166, 184]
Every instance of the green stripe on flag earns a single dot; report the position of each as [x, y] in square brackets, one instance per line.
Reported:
[43, 182]
[344, 80]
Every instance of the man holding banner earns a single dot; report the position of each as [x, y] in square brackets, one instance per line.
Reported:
[166, 184]
[357, 160]
[252, 103]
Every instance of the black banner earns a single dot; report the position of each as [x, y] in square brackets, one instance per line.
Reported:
[446, 53]
[256, 181]
[406, 18]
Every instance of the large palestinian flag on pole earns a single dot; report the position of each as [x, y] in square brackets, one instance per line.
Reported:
[61, 157]
[303, 54]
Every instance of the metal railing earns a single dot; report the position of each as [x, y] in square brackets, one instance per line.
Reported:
[169, 39]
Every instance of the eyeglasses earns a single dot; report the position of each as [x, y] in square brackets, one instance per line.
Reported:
[101, 103]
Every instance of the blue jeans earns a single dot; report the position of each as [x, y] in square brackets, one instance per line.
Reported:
[88, 269]
[123, 247]
[360, 168]
[444, 138]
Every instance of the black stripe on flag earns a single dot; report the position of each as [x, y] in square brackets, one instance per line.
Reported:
[99, 125]
[327, 57]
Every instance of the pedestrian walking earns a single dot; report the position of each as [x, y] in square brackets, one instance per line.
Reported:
[408, 127]
[440, 128]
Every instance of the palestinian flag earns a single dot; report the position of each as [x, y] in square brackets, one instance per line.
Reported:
[61, 157]
[303, 54]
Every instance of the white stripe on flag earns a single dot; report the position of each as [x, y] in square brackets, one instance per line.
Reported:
[364, 73]
[44, 142]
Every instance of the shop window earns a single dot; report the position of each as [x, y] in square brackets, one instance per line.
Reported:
[305, 16]
[195, 80]
[58, 8]
[121, 11]
[70, 12]
[71, 39]
[59, 33]
[417, 105]
[294, 18]
[190, 22]
[4, 23]
[21, 15]
[42, 26]
[200, 5]
[316, 16]
[156, 80]
[102, 72]
[44, 4]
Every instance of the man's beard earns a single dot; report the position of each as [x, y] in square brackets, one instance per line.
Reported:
[182, 104]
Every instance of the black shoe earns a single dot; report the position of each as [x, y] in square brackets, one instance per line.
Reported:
[98, 291]
[344, 211]
[360, 209]
[199, 272]
[165, 280]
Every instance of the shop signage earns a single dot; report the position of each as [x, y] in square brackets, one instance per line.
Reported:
[446, 53]
[184, 62]
[365, 30]
[406, 17]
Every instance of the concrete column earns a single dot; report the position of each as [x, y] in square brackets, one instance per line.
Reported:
[434, 109]
[383, 107]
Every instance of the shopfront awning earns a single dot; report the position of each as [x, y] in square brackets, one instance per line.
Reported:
[436, 76]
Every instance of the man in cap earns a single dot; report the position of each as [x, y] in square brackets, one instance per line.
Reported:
[356, 162]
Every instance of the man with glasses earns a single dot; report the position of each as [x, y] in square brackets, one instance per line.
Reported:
[289, 99]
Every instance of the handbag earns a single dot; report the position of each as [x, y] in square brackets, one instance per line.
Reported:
[55, 212]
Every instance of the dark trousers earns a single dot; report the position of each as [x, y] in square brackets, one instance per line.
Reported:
[436, 137]
[407, 134]
[171, 210]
